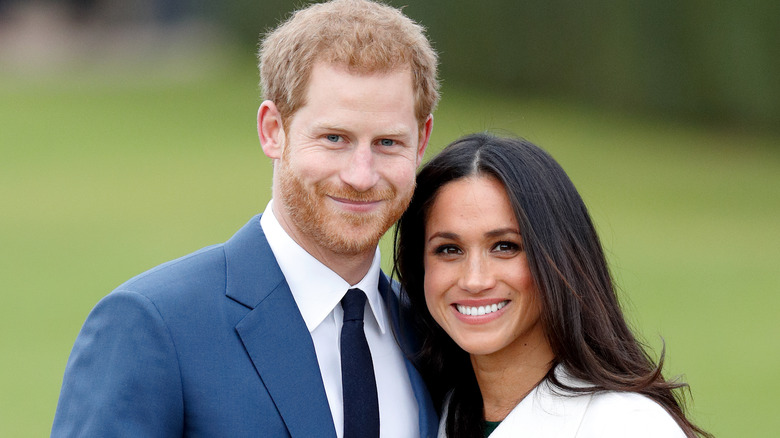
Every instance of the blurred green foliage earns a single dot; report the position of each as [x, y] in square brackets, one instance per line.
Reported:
[708, 61]
[103, 176]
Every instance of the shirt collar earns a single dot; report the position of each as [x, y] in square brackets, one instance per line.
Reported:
[317, 290]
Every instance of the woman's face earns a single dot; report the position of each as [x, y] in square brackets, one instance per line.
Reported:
[477, 283]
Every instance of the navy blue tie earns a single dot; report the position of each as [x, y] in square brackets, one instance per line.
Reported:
[361, 404]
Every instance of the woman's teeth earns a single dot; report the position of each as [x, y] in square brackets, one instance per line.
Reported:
[481, 310]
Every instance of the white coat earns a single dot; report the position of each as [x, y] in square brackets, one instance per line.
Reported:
[548, 412]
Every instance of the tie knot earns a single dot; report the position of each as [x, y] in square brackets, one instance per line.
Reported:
[353, 303]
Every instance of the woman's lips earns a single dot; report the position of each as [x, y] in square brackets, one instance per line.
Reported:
[480, 310]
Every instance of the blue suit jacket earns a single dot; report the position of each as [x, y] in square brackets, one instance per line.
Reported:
[208, 345]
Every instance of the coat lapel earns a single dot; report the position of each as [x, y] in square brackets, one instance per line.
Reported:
[275, 335]
[428, 421]
[547, 411]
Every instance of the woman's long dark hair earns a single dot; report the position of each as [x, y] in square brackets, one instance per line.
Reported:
[581, 315]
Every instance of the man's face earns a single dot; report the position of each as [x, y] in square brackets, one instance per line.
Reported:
[348, 160]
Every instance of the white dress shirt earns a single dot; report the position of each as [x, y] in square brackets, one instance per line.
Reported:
[317, 291]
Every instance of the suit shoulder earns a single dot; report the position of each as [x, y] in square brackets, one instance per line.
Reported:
[201, 269]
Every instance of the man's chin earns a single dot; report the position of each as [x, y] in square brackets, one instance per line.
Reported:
[351, 243]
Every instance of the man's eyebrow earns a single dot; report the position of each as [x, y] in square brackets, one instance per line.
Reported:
[396, 132]
[389, 132]
[326, 126]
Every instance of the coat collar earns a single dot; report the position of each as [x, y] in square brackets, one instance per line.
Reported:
[275, 335]
[548, 411]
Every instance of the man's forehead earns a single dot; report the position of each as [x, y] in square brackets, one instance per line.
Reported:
[361, 71]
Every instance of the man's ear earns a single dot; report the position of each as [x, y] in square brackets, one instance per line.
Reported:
[270, 129]
[425, 136]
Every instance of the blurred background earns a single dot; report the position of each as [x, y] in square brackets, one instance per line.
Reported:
[127, 138]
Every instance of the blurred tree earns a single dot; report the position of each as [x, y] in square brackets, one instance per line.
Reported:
[718, 61]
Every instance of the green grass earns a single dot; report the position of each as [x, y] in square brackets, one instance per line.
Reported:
[104, 176]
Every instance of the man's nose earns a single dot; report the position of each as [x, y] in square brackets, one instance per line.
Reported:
[360, 170]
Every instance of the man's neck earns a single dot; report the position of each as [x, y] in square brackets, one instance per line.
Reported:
[351, 267]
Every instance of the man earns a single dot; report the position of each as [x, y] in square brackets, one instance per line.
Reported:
[243, 338]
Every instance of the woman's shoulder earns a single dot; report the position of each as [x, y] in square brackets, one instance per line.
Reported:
[625, 401]
[621, 414]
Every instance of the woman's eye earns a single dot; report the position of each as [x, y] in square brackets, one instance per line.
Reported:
[448, 250]
[333, 137]
[506, 247]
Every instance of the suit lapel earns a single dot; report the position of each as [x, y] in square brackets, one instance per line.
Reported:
[275, 335]
[428, 420]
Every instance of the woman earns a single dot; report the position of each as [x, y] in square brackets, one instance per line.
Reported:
[522, 328]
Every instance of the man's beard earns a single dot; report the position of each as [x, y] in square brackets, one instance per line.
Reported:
[342, 232]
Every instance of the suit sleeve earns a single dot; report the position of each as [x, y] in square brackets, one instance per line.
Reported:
[122, 378]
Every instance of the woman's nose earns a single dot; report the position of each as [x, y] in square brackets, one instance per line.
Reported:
[477, 276]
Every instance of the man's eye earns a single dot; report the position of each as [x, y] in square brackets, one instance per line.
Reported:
[333, 137]
[386, 142]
